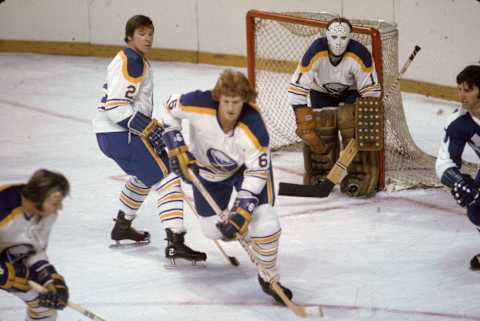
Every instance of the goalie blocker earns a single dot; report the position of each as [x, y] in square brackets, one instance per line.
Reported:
[361, 126]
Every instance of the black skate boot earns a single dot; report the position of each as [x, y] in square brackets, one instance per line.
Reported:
[475, 263]
[176, 249]
[266, 287]
[123, 230]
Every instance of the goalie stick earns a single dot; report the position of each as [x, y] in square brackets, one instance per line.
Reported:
[339, 170]
[299, 310]
[89, 314]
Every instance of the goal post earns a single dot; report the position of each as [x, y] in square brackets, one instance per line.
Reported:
[275, 44]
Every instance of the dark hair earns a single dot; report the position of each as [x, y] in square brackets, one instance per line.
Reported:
[136, 22]
[42, 183]
[234, 83]
[340, 20]
[470, 75]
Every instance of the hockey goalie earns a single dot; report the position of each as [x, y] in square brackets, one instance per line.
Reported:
[336, 75]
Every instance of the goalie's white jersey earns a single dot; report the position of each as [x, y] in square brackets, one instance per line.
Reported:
[128, 87]
[221, 155]
[356, 71]
[18, 227]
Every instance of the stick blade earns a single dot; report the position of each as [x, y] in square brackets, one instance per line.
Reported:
[296, 190]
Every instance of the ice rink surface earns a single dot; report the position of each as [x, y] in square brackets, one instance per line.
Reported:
[397, 256]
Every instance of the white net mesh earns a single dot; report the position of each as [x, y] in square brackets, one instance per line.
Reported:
[278, 46]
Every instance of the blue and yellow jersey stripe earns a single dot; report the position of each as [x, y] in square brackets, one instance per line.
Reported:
[10, 202]
[250, 121]
[319, 49]
[134, 66]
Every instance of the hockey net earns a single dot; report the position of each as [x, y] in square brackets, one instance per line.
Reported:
[275, 44]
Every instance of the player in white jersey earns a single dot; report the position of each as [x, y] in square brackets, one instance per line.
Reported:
[229, 149]
[27, 213]
[462, 128]
[335, 70]
[127, 134]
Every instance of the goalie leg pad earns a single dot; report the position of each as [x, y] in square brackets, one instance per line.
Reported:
[363, 172]
[318, 164]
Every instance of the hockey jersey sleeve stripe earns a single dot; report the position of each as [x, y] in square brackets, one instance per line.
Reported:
[4, 219]
[297, 91]
[125, 70]
[312, 61]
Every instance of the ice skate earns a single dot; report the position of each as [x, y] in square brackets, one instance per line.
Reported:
[266, 287]
[475, 263]
[123, 230]
[176, 249]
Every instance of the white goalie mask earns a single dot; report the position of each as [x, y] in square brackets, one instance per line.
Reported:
[338, 37]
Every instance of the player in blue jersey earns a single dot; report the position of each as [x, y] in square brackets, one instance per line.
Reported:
[229, 149]
[462, 128]
[127, 133]
[27, 214]
[335, 70]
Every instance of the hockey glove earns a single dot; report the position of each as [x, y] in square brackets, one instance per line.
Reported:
[57, 294]
[466, 191]
[464, 188]
[14, 276]
[142, 125]
[306, 127]
[179, 157]
[240, 216]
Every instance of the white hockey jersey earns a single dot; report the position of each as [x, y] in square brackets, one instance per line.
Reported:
[18, 227]
[356, 71]
[221, 155]
[128, 88]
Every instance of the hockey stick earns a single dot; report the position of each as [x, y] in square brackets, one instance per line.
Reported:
[299, 310]
[89, 314]
[231, 259]
[339, 170]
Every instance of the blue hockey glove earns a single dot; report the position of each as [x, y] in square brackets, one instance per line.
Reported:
[466, 191]
[240, 216]
[464, 188]
[142, 125]
[14, 276]
[57, 293]
[179, 157]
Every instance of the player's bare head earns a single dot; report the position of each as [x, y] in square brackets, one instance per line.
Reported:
[43, 184]
[470, 76]
[338, 35]
[234, 83]
[137, 22]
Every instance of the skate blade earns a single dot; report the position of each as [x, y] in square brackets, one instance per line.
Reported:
[182, 264]
[129, 245]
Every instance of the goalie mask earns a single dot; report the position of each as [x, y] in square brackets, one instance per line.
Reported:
[338, 37]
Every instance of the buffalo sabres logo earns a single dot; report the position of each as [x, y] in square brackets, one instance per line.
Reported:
[335, 88]
[220, 161]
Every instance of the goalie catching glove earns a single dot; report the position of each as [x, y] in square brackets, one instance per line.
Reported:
[142, 125]
[57, 294]
[306, 127]
[464, 188]
[240, 216]
[180, 158]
